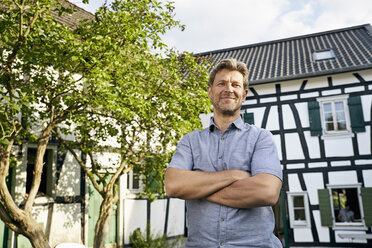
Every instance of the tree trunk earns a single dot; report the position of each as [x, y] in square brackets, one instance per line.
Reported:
[103, 223]
[34, 232]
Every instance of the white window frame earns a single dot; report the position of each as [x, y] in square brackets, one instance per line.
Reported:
[298, 223]
[129, 184]
[333, 99]
[348, 225]
[323, 55]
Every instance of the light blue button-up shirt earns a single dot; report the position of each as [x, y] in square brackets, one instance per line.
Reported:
[243, 147]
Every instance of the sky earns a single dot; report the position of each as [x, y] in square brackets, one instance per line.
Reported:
[219, 24]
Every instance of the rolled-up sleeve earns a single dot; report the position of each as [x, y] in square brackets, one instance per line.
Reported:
[182, 158]
[265, 156]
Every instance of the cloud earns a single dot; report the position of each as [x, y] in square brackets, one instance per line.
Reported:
[219, 24]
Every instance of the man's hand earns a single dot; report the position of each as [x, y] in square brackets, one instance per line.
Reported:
[256, 191]
[188, 185]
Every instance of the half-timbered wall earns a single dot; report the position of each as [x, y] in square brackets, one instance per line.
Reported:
[310, 163]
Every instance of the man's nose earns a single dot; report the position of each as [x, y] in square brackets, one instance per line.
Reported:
[228, 87]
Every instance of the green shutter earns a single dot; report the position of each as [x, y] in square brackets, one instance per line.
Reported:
[248, 118]
[367, 205]
[325, 207]
[356, 114]
[314, 118]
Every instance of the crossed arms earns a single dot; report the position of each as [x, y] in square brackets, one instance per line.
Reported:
[233, 188]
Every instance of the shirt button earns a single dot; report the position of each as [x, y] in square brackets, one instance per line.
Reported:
[221, 243]
[222, 138]
[219, 157]
[222, 219]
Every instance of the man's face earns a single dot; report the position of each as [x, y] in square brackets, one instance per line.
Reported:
[227, 92]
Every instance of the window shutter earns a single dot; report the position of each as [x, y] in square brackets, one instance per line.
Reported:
[325, 207]
[314, 118]
[356, 114]
[249, 118]
[367, 205]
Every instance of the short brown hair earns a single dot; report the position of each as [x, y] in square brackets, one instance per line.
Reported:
[233, 65]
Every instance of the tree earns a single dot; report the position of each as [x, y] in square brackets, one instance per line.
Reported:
[109, 82]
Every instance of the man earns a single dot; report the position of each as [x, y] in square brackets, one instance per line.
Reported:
[229, 173]
[345, 214]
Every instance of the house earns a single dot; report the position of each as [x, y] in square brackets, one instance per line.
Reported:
[67, 204]
[314, 93]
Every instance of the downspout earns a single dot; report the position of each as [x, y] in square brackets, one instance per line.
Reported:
[282, 193]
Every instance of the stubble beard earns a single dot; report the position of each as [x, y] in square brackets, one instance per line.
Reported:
[226, 110]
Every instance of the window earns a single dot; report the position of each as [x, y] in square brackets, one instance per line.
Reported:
[46, 177]
[133, 182]
[336, 115]
[247, 117]
[298, 206]
[323, 55]
[345, 206]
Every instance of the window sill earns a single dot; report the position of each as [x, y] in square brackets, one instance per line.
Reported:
[337, 135]
[350, 226]
[294, 225]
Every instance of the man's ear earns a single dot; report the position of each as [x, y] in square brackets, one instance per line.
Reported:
[245, 94]
[209, 92]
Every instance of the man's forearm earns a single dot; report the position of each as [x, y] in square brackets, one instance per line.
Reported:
[256, 191]
[189, 185]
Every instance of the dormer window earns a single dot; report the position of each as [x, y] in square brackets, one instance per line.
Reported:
[323, 55]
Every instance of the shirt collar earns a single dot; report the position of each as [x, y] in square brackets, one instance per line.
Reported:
[238, 123]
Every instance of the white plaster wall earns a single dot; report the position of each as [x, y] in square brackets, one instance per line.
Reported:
[66, 224]
[69, 181]
[265, 89]
[176, 218]
[276, 139]
[303, 235]
[205, 119]
[158, 211]
[40, 213]
[366, 74]
[288, 120]
[340, 163]
[293, 85]
[135, 216]
[342, 177]
[338, 147]
[343, 78]
[312, 145]
[367, 177]
[294, 183]
[273, 119]
[349, 240]
[317, 164]
[313, 182]
[303, 113]
[293, 146]
[296, 166]
[323, 232]
[315, 83]
[331, 92]
[108, 159]
[364, 141]
[258, 115]
[366, 105]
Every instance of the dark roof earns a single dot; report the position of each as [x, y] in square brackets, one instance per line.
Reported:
[73, 19]
[292, 58]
